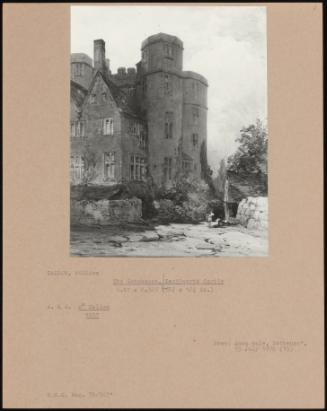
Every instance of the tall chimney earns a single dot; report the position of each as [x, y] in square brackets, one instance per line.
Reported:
[99, 50]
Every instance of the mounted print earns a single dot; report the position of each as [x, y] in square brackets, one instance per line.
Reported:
[168, 131]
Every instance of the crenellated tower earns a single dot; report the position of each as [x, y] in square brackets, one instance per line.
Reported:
[170, 102]
[81, 69]
[175, 106]
[162, 100]
[194, 121]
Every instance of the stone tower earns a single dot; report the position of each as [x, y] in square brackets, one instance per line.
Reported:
[81, 69]
[162, 60]
[174, 103]
[162, 109]
[194, 122]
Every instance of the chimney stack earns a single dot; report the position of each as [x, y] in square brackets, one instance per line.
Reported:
[99, 50]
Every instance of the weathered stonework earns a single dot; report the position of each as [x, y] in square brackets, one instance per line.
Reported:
[106, 212]
[252, 213]
[158, 113]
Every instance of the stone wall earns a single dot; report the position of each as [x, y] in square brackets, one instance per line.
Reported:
[252, 213]
[106, 212]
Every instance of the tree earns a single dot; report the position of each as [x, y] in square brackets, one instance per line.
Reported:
[206, 171]
[247, 168]
[251, 155]
[90, 160]
[221, 178]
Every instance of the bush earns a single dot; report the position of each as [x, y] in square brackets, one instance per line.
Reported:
[217, 207]
[187, 201]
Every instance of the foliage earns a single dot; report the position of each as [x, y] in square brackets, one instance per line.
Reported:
[90, 160]
[247, 167]
[186, 201]
[206, 171]
[182, 188]
[217, 207]
[220, 179]
[251, 155]
[189, 212]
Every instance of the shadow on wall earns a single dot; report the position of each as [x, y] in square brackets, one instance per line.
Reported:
[130, 190]
[106, 212]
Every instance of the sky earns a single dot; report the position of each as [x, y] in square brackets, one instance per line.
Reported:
[227, 45]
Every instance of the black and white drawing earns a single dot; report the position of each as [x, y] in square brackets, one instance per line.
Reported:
[168, 131]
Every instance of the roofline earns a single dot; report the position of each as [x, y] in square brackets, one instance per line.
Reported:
[79, 86]
[182, 74]
[110, 84]
[161, 37]
[84, 58]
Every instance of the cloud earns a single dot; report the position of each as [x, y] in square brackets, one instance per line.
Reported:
[225, 44]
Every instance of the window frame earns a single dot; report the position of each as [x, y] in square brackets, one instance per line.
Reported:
[109, 163]
[195, 114]
[187, 166]
[79, 70]
[108, 130]
[168, 50]
[93, 98]
[167, 87]
[142, 138]
[137, 168]
[195, 140]
[77, 128]
[168, 167]
[168, 129]
[77, 168]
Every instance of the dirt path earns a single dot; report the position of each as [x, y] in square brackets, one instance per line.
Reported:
[171, 240]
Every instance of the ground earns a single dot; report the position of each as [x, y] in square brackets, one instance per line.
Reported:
[168, 240]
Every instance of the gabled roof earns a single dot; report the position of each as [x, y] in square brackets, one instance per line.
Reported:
[77, 93]
[118, 95]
